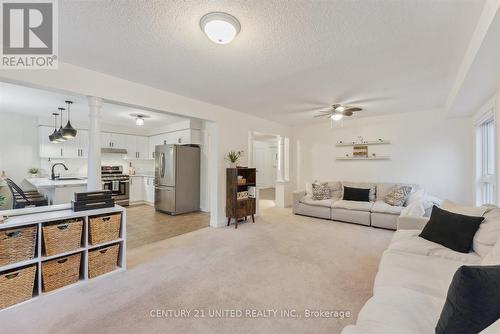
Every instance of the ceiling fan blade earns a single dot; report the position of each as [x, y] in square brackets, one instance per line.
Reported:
[328, 111]
[352, 109]
[324, 115]
[347, 113]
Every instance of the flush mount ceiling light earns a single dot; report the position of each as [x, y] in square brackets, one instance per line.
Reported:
[220, 28]
[139, 119]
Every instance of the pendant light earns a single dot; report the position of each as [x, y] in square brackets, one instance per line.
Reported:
[58, 134]
[68, 132]
[52, 137]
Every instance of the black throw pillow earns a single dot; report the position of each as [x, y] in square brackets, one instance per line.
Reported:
[356, 194]
[451, 230]
[473, 301]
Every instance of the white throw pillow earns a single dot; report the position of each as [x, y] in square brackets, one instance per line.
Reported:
[493, 257]
[475, 211]
[414, 209]
[488, 233]
[309, 189]
[415, 196]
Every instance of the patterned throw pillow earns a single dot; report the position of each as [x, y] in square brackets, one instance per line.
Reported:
[320, 191]
[398, 195]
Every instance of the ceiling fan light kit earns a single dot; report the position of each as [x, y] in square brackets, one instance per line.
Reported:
[336, 112]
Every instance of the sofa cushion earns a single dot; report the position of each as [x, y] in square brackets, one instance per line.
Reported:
[408, 241]
[352, 205]
[324, 202]
[398, 311]
[493, 257]
[335, 188]
[472, 303]
[425, 274]
[475, 211]
[398, 195]
[320, 191]
[364, 185]
[356, 194]
[488, 233]
[451, 230]
[383, 207]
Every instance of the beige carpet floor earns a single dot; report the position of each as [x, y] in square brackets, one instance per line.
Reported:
[280, 262]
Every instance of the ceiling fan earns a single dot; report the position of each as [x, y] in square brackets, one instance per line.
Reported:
[337, 111]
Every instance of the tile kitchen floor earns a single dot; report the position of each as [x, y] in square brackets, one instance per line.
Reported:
[145, 225]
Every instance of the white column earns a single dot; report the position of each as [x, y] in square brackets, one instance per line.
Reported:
[94, 156]
[281, 159]
[250, 161]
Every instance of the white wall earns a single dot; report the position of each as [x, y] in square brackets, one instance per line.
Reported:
[18, 145]
[426, 149]
[228, 129]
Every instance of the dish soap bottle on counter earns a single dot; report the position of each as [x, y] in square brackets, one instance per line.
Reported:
[131, 170]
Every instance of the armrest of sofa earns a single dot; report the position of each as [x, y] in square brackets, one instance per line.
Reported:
[492, 329]
[297, 196]
[412, 223]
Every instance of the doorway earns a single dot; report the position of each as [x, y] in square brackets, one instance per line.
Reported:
[265, 160]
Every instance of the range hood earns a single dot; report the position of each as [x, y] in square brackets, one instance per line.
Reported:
[114, 150]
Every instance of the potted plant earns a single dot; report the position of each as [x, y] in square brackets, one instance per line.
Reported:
[233, 157]
[33, 171]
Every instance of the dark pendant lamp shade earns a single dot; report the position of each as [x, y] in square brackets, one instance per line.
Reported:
[68, 131]
[58, 134]
[52, 137]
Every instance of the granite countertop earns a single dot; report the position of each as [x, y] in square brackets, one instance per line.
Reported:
[45, 182]
[142, 175]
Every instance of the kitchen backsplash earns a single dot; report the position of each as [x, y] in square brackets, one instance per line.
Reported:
[79, 166]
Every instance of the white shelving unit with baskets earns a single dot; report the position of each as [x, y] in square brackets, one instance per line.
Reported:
[43, 216]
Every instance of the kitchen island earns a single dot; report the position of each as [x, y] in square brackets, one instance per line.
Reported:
[44, 233]
[58, 191]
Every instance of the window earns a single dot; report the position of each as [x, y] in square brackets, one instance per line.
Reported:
[486, 162]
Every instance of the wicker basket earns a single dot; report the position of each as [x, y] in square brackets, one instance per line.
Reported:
[63, 236]
[17, 244]
[60, 272]
[16, 286]
[103, 260]
[104, 228]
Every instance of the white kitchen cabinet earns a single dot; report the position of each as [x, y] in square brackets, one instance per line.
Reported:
[142, 147]
[113, 140]
[48, 149]
[149, 189]
[182, 137]
[71, 148]
[153, 141]
[136, 193]
[137, 147]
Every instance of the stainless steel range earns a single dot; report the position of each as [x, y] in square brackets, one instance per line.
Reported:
[113, 179]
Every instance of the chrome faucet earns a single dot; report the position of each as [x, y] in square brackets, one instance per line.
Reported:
[52, 175]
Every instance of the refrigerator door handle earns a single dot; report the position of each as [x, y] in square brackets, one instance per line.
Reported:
[162, 165]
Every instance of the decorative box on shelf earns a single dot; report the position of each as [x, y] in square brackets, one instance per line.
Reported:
[93, 200]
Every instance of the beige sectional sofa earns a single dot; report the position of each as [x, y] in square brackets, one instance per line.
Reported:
[414, 275]
[374, 213]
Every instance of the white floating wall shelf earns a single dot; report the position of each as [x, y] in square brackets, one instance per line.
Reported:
[368, 142]
[365, 158]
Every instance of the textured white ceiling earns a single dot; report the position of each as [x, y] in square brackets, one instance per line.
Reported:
[41, 103]
[483, 77]
[290, 56]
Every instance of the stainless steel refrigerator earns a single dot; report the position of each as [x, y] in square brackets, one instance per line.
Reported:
[177, 178]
